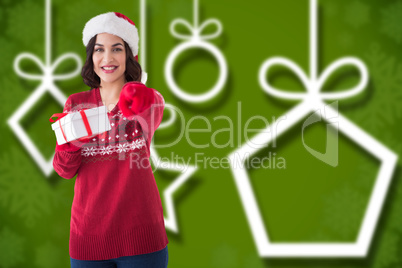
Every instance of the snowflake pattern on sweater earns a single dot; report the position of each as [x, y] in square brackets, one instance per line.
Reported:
[118, 148]
[125, 136]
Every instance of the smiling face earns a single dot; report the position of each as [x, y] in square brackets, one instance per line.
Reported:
[109, 58]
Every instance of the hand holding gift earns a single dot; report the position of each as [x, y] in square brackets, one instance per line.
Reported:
[75, 129]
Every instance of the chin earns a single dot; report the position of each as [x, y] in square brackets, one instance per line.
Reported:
[111, 80]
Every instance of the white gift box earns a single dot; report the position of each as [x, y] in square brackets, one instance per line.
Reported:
[80, 124]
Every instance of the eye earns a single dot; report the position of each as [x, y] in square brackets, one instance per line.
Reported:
[118, 49]
[98, 49]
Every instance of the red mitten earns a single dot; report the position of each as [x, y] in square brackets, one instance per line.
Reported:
[135, 98]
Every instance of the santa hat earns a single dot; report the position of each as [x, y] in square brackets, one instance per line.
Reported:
[113, 23]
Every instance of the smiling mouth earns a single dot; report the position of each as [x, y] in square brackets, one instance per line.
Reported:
[109, 68]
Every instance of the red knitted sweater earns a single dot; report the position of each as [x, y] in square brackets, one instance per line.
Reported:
[116, 209]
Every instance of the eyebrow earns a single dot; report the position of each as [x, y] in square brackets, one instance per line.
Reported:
[112, 45]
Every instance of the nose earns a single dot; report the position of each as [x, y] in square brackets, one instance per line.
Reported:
[107, 57]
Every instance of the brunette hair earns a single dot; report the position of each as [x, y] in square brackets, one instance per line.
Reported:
[91, 79]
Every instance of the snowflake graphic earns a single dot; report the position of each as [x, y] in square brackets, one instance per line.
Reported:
[11, 248]
[21, 192]
[344, 209]
[390, 21]
[382, 108]
[357, 14]
[47, 255]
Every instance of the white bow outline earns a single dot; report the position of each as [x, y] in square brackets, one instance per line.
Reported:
[195, 40]
[196, 32]
[314, 85]
[47, 69]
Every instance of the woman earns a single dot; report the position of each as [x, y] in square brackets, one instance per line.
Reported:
[116, 216]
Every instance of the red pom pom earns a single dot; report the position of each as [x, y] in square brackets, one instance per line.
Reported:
[135, 98]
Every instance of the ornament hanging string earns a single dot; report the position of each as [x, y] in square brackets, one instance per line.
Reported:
[46, 76]
[315, 83]
[195, 40]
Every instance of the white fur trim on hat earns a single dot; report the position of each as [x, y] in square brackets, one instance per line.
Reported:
[111, 23]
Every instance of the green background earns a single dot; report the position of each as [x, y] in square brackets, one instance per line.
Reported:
[307, 201]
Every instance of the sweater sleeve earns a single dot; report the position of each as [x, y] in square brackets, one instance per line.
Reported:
[67, 158]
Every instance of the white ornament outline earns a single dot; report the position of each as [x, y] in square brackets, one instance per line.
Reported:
[312, 102]
[171, 219]
[47, 79]
[186, 172]
[196, 40]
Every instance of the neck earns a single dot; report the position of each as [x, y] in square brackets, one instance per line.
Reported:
[111, 91]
